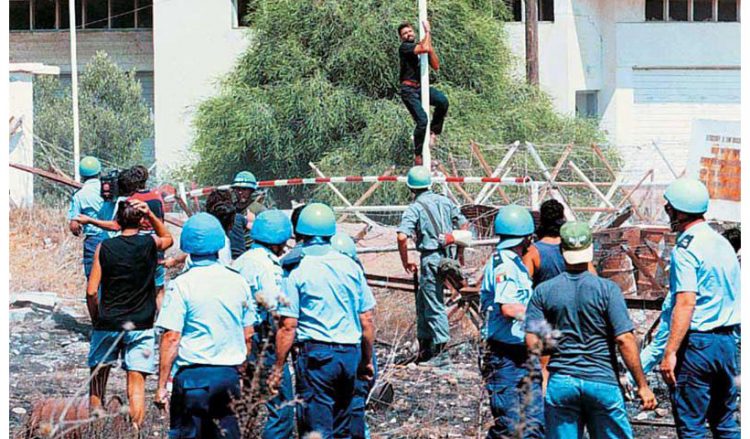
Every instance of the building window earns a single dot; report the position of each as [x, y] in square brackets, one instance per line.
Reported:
[587, 103]
[90, 14]
[728, 10]
[545, 10]
[241, 9]
[655, 10]
[692, 10]
[678, 10]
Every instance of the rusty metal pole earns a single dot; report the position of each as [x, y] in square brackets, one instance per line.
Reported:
[532, 43]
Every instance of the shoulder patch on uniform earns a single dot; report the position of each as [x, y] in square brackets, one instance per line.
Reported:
[685, 241]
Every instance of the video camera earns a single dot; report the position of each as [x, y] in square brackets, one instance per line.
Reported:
[110, 189]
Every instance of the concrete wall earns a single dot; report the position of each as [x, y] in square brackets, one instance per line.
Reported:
[593, 45]
[195, 43]
[130, 49]
[21, 147]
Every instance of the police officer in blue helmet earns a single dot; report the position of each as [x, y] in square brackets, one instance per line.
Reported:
[506, 291]
[328, 315]
[700, 361]
[208, 316]
[344, 244]
[261, 268]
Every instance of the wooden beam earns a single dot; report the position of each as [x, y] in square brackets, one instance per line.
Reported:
[458, 187]
[371, 190]
[341, 196]
[532, 43]
[599, 153]
[487, 170]
[556, 170]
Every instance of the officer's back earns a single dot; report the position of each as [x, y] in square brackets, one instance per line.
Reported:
[443, 211]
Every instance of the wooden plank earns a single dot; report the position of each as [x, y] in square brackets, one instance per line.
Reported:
[487, 170]
[458, 187]
[599, 153]
[556, 170]
[368, 193]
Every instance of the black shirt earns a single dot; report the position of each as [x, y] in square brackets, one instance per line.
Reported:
[409, 62]
[238, 235]
[128, 290]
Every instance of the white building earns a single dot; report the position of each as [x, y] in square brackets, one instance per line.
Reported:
[646, 68]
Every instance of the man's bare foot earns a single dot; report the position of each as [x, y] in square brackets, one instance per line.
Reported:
[433, 139]
[417, 160]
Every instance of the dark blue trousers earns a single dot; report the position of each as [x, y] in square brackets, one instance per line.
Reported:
[362, 388]
[200, 406]
[89, 248]
[325, 382]
[706, 389]
[280, 422]
[504, 368]
[411, 96]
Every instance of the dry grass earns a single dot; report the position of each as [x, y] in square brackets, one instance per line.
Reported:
[44, 255]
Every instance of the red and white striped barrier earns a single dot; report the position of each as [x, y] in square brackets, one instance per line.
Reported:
[505, 181]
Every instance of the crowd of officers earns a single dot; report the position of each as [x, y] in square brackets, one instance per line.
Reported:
[243, 305]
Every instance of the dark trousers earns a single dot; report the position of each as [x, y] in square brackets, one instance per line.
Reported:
[413, 101]
[362, 388]
[89, 248]
[504, 369]
[706, 389]
[200, 406]
[326, 375]
[280, 422]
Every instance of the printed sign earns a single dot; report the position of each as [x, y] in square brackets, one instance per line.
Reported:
[715, 160]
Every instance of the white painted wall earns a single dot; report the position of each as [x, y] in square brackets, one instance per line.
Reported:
[21, 145]
[195, 43]
[593, 45]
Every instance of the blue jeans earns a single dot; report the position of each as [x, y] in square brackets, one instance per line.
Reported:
[200, 406]
[504, 370]
[705, 389]
[362, 388]
[412, 98]
[571, 403]
[89, 248]
[325, 382]
[280, 422]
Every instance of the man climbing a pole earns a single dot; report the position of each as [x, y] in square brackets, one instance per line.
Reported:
[410, 86]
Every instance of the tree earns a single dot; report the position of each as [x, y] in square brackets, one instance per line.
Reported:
[319, 82]
[114, 119]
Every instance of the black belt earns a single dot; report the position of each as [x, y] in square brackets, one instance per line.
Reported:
[720, 330]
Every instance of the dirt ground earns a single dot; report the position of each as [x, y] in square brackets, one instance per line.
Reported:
[48, 349]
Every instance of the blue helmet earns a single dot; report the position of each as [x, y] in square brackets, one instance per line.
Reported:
[246, 180]
[343, 243]
[89, 166]
[202, 235]
[271, 227]
[687, 195]
[513, 223]
[316, 219]
[419, 177]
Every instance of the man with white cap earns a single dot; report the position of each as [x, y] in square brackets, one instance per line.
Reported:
[591, 316]
[208, 316]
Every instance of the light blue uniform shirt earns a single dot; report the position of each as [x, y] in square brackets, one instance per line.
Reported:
[88, 201]
[210, 305]
[416, 223]
[504, 283]
[262, 271]
[704, 262]
[326, 293]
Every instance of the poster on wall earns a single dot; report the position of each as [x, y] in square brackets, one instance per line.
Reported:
[715, 159]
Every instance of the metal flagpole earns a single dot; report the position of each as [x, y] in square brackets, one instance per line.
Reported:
[74, 83]
[424, 64]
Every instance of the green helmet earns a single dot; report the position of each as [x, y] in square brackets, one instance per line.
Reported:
[89, 166]
[687, 195]
[316, 219]
[513, 223]
[419, 178]
[245, 179]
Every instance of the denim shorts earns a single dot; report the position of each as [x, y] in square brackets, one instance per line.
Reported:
[159, 276]
[136, 348]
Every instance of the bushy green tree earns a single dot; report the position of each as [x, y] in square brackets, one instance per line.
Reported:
[114, 119]
[319, 82]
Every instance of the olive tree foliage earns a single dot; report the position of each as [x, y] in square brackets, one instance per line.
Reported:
[114, 119]
[319, 82]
